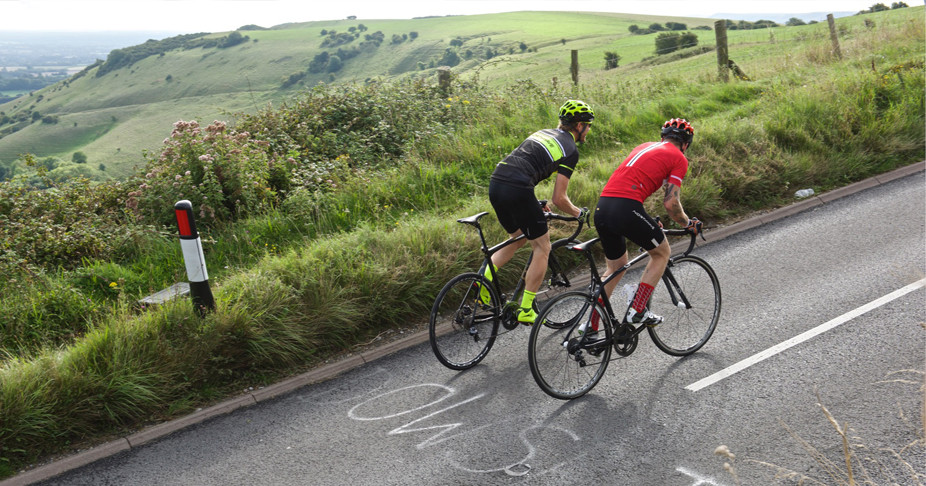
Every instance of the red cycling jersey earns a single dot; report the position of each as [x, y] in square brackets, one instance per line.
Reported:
[648, 167]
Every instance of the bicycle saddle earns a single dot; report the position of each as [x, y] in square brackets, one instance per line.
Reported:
[584, 246]
[473, 220]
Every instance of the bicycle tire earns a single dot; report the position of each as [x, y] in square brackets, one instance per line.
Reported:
[685, 329]
[462, 330]
[561, 368]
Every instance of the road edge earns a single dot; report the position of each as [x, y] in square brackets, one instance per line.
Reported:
[332, 370]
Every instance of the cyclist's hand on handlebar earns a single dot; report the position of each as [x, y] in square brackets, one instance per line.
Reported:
[583, 215]
[694, 225]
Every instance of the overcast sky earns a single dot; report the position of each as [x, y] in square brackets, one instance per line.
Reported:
[187, 16]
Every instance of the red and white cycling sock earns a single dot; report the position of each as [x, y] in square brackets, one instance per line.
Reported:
[644, 291]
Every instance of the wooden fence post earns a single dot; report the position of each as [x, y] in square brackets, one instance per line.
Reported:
[575, 67]
[443, 79]
[833, 36]
[723, 55]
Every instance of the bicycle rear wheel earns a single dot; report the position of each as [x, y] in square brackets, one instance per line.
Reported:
[563, 365]
[462, 329]
[689, 299]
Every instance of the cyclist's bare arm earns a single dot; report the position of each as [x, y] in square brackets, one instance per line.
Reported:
[561, 199]
[673, 204]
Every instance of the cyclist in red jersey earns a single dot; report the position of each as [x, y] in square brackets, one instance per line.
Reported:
[511, 192]
[620, 214]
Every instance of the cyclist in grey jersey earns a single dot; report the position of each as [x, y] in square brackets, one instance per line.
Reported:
[511, 192]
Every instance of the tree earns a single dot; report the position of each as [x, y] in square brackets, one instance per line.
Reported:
[522, 46]
[79, 158]
[450, 58]
[878, 7]
[334, 64]
[634, 28]
[656, 27]
[610, 60]
[413, 35]
[319, 63]
[232, 39]
[688, 39]
[794, 21]
[676, 26]
[898, 5]
[670, 42]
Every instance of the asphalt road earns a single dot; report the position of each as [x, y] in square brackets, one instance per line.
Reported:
[653, 419]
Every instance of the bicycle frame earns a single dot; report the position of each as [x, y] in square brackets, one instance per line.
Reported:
[489, 251]
[597, 285]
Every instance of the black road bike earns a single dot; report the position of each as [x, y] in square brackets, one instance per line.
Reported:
[570, 350]
[469, 310]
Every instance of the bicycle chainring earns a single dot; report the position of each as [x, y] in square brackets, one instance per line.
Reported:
[509, 316]
[625, 340]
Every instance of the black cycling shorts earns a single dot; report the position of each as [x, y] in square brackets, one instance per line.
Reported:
[617, 218]
[517, 209]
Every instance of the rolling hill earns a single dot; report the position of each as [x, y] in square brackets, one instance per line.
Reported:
[114, 111]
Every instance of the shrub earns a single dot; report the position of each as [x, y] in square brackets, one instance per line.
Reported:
[222, 172]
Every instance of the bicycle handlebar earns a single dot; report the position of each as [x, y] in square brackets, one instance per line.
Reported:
[685, 231]
[562, 217]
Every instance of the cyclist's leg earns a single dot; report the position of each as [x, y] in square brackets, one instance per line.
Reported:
[541, 249]
[659, 258]
[505, 255]
[534, 276]
[613, 266]
[498, 259]
[609, 222]
[505, 199]
[640, 228]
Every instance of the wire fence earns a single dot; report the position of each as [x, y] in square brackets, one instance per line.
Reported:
[754, 52]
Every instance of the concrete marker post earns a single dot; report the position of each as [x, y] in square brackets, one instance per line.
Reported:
[194, 259]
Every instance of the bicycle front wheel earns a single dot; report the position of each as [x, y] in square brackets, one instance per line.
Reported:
[462, 328]
[563, 364]
[689, 299]
[555, 280]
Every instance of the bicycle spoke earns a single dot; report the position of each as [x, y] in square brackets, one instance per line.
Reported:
[462, 329]
[685, 329]
[561, 364]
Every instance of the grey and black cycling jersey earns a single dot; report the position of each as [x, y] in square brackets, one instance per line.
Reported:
[538, 157]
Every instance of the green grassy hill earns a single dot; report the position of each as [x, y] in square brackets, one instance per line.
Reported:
[114, 117]
[342, 202]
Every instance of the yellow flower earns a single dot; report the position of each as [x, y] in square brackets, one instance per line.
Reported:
[113, 285]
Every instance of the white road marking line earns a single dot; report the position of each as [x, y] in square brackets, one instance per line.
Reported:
[848, 316]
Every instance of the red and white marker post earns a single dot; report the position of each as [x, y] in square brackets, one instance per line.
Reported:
[194, 259]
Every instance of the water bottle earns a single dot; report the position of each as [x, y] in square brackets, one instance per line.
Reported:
[629, 291]
[803, 193]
